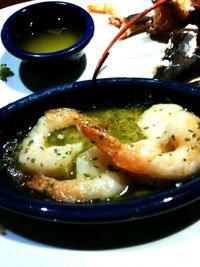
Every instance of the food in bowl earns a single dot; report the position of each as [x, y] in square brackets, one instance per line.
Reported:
[138, 200]
[106, 153]
[48, 31]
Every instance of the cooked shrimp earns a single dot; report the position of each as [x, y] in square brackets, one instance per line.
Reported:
[171, 148]
[95, 180]
[102, 8]
[35, 157]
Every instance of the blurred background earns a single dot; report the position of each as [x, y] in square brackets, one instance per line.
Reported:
[5, 3]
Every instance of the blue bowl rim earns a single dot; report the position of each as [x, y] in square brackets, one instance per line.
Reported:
[107, 212]
[78, 46]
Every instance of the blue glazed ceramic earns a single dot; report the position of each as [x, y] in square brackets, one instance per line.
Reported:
[45, 16]
[25, 112]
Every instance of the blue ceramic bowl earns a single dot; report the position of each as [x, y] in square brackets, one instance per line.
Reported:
[25, 112]
[52, 18]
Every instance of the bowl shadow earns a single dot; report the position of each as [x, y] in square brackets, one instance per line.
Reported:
[40, 76]
[101, 236]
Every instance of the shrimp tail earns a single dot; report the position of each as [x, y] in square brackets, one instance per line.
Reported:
[100, 138]
[64, 190]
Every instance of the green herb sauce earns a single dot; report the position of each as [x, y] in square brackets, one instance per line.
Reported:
[119, 122]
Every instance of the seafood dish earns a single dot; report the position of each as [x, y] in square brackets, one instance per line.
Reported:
[91, 151]
[175, 22]
[104, 152]
[105, 170]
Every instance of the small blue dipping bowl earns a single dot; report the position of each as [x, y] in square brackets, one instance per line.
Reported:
[47, 17]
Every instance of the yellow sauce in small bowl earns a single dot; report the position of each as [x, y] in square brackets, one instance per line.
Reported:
[50, 40]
